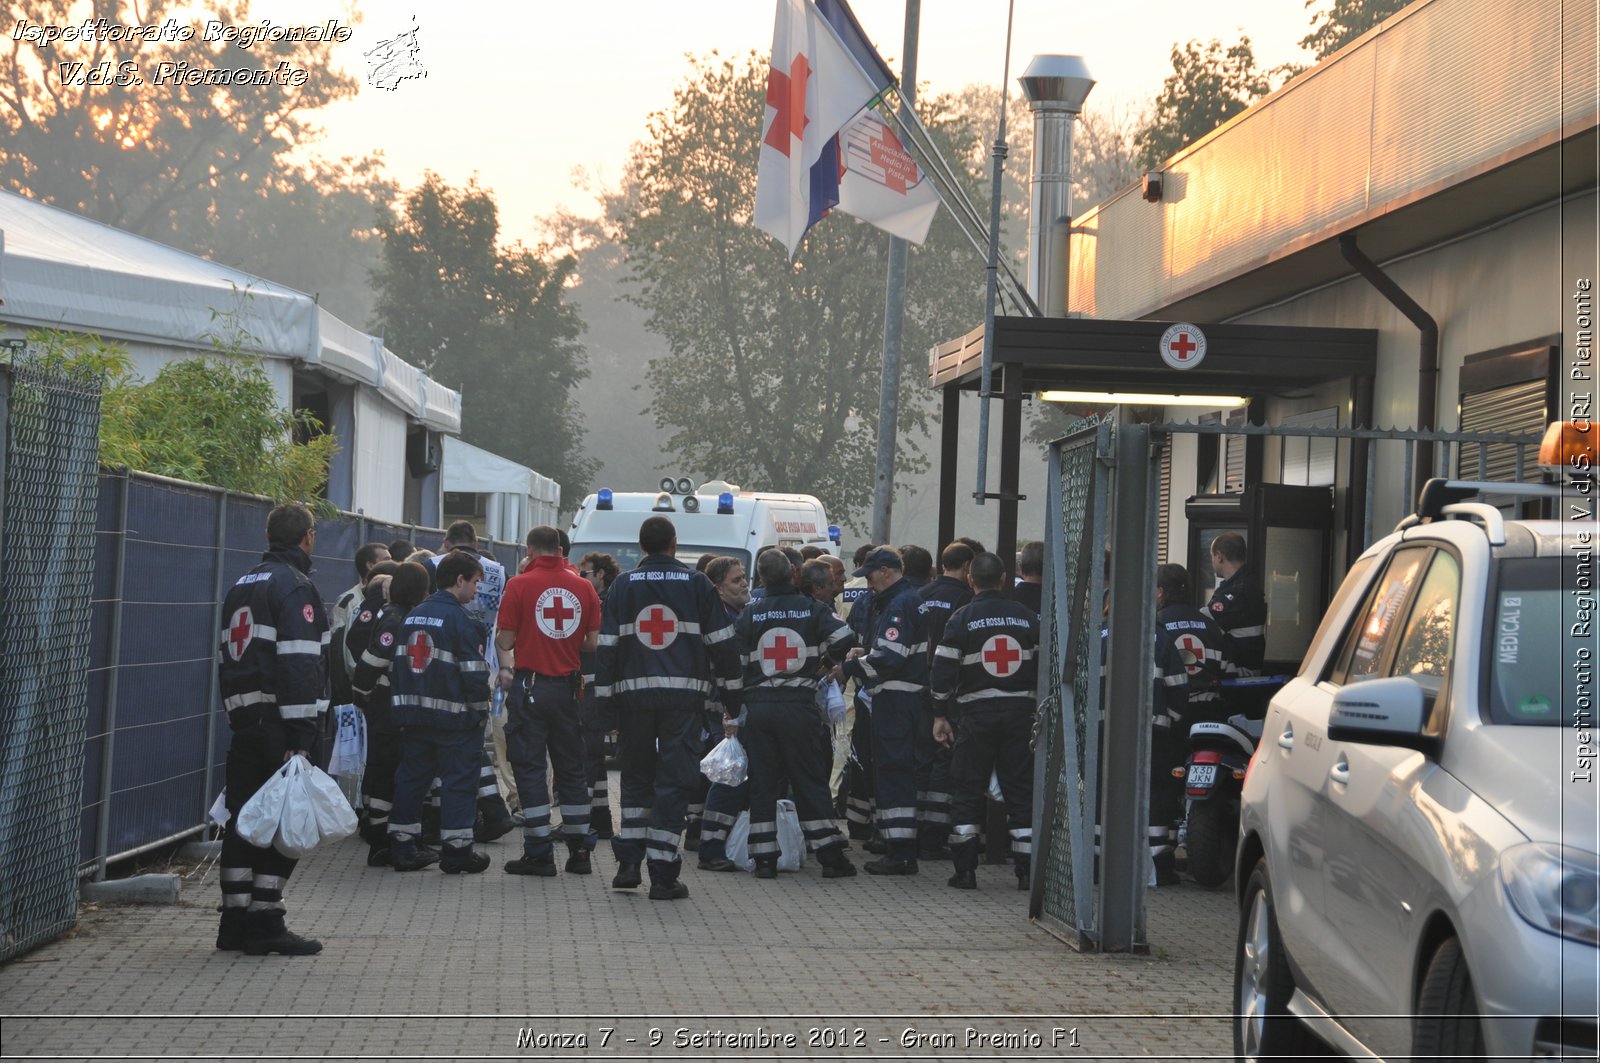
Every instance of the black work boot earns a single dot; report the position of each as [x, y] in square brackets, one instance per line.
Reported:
[539, 866]
[834, 863]
[578, 862]
[1166, 870]
[267, 934]
[766, 867]
[409, 856]
[891, 866]
[495, 819]
[462, 860]
[627, 877]
[600, 824]
[964, 855]
[233, 929]
[664, 884]
[1024, 869]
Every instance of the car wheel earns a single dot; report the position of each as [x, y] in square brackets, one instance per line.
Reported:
[1213, 837]
[1447, 1024]
[1263, 1029]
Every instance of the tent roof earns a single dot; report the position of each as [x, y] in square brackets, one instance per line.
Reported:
[62, 270]
[473, 469]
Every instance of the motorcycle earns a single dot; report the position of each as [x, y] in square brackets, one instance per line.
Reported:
[1213, 777]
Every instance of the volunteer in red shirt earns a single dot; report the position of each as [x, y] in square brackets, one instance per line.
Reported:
[549, 615]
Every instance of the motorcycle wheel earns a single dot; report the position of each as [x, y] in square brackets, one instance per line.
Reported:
[1213, 838]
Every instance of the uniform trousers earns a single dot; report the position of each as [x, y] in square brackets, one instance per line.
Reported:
[451, 756]
[895, 716]
[1168, 749]
[383, 757]
[594, 759]
[933, 784]
[542, 723]
[782, 737]
[992, 742]
[723, 805]
[861, 798]
[658, 749]
[253, 877]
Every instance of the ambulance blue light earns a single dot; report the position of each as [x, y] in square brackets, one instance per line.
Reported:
[725, 502]
[834, 533]
[603, 499]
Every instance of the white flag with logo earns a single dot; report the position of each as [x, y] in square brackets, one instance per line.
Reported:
[881, 183]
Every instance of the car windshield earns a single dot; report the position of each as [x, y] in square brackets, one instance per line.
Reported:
[1535, 653]
[628, 555]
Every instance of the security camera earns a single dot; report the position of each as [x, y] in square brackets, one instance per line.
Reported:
[1152, 186]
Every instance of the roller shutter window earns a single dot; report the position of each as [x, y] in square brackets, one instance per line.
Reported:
[1516, 408]
[1310, 460]
[1233, 457]
[1164, 511]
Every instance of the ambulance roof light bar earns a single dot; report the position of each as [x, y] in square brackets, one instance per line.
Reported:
[603, 499]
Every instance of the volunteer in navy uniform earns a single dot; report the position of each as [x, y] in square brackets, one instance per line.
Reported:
[1199, 643]
[785, 637]
[941, 597]
[893, 671]
[379, 636]
[984, 676]
[272, 670]
[664, 638]
[549, 615]
[1237, 605]
[439, 698]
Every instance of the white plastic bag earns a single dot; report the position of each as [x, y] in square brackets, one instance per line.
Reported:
[995, 793]
[791, 840]
[727, 763]
[349, 742]
[314, 811]
[219, 809]
[830, 699]
[258, 819]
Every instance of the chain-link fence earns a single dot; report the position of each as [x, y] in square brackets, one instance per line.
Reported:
[51, 432]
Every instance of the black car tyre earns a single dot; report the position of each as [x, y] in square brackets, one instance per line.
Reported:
[1447, 1024]
[1212, 839]
[1263, 1029]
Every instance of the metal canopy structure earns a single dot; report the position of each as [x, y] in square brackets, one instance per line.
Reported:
[1086, 354]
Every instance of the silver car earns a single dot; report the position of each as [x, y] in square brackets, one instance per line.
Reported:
[1417, 863]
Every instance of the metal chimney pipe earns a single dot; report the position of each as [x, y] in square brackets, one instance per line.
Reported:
[1055, 86]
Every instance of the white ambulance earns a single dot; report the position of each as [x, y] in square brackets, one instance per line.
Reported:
[716, 518]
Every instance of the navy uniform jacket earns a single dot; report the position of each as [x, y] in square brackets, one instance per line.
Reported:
[272, 659]
[370, 683]
[439, 678]
[665, 633]
[896, 662]
[939, 599]
[1240, 610]
[987, 660]
[1202, 648]
[784, 639]
[1171, 695]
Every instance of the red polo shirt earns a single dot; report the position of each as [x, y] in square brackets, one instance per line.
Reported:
[550, 608]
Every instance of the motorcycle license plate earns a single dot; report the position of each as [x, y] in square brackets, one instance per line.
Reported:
[1202, 775]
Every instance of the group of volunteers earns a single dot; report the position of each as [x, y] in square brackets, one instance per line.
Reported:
[940, 667]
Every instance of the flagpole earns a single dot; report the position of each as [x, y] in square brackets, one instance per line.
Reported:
[981, 493]
[894, 312]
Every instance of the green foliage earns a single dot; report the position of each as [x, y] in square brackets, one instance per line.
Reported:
[772, 378]
[492, 322]
[1209, 84]
[206, 420]
[1344, 22]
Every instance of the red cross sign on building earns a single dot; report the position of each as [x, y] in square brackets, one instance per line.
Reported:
[419, 649]
[241, 629]
[781, 650]
[1001, 656]
[558, 612]
[657, 627]
[1183, 346]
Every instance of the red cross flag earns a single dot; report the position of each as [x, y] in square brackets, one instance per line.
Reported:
[657, 627]
[814, 87]
[1183, 346]
[780, 650]
[1001, 656]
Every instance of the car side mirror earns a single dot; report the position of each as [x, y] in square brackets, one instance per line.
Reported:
[1382, 712]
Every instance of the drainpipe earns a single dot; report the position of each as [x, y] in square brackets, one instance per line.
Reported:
[1428, 356]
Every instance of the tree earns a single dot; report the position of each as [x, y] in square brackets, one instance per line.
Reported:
[1344, 22]
[1209, 84]
[774, 370]
[205, 168]
[490, 321]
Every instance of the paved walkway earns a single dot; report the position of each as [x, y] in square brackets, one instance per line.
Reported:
[498, 966]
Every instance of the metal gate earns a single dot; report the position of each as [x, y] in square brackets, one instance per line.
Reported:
[1097, 632]
[51, 434]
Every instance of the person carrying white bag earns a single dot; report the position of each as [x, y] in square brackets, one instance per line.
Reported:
[272, 671]
[296, 810]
